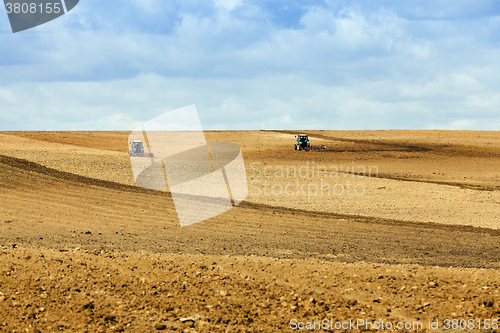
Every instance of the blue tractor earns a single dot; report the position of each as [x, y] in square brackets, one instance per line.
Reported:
[302, 142]
[137, 149]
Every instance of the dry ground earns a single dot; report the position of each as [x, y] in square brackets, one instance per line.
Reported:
[86, 250]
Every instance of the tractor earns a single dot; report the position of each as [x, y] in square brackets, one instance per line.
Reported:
[303, 143]
[137, 149]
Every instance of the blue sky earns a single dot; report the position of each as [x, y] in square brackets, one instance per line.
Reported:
[283, 64]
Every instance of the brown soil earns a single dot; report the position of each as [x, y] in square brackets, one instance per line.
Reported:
[86, 250]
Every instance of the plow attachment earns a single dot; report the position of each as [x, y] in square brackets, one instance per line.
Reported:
[141, 154]
[312, 148]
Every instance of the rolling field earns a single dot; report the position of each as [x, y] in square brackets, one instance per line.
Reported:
[393, 226]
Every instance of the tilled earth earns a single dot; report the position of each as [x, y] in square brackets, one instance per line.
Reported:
[85, 250]
[98, 291]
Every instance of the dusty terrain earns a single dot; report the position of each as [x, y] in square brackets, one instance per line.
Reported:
[412, 236]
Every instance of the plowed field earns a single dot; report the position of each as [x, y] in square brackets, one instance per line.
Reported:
[392, 226]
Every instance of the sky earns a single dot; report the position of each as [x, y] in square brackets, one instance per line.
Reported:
[277, 64]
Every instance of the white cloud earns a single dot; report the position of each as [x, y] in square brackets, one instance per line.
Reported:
[278, 102]
[148, 6]
[228, 5]
[351, 68]
[461, 124]
[7, 96]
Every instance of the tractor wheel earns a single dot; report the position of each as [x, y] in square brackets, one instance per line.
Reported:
[294, 147]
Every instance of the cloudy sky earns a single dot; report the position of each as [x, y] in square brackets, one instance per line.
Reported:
[277, 64]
